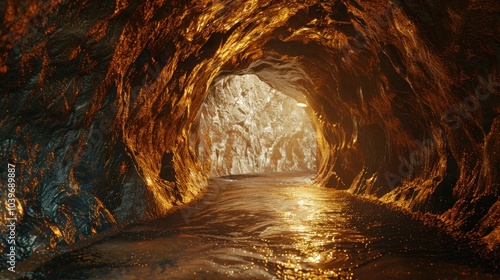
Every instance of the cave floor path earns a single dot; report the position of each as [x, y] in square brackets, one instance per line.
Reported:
[273, 226]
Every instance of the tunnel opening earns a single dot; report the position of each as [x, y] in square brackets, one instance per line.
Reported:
[246, 126]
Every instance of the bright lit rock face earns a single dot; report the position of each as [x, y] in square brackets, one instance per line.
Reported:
[245, 126]
[98, 99]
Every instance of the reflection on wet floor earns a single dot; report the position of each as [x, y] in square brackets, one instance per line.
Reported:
[274, 226]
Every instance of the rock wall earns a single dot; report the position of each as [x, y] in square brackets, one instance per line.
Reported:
[98, 99]
[245, 126]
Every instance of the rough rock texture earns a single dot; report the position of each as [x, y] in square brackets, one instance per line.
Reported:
[98, 99]
[245, 126]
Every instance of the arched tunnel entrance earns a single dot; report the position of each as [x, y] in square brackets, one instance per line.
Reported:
[115, 114]
[246, 126]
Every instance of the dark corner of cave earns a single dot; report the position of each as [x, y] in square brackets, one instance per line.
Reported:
[250, 139]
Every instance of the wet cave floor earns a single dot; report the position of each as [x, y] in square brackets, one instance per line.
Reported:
[274, 226]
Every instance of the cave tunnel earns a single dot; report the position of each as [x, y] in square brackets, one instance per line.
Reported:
[342, 122]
